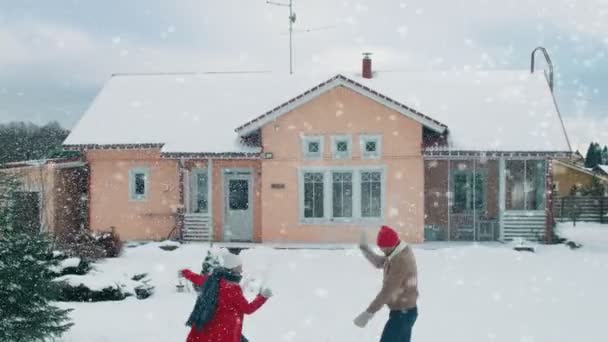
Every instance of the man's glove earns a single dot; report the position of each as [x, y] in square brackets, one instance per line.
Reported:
[362, 320]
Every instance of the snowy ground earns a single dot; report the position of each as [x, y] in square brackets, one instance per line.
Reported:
[468, 293]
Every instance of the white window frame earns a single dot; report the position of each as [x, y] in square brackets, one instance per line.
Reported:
[364, 139]
[312, 138]
[334, 148]
[328, 218]
[132, 173]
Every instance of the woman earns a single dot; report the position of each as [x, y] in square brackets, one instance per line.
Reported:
[220, 307]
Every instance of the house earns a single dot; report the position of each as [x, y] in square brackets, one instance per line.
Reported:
[51, 194]
[313, 158]
[601, 170]
[569, 178]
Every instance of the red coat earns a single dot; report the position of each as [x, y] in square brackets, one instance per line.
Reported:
[227, 323]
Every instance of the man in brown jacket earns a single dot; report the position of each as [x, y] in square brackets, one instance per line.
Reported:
[399, 288]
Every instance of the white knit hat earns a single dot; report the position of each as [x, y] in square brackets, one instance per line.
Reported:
[231, 261]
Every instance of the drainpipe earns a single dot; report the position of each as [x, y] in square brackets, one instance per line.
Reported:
[180, 210]
[210, 197]
[549, 201]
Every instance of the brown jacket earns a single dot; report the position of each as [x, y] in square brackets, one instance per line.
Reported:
[400, 285]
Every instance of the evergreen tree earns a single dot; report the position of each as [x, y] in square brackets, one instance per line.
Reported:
[26, 141]
[605, 155]
[589, 155]
[598, 155]
[26, 286]
[594, 155]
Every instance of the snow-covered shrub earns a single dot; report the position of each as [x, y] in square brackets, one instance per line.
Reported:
[98, 287]
[71, 266]
[110, 242]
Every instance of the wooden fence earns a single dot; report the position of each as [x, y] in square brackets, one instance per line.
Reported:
[581, 208]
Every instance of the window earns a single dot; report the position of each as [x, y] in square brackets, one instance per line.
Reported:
[313, 195]
[138, 184]
[340, 147]
[312, 147]
[341, 194]
[371, 194]
[525, 180]
[468, 191]
[238, 198]
[201, 197]
[371, 146]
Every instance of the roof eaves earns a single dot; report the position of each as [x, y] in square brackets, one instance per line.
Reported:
[80, 147]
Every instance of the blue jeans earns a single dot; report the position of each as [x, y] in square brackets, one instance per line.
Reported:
[399, 326]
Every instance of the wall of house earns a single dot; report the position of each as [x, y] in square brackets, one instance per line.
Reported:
[110, 203]
[70, 186]
[436, 196]
[341, 111]
[565, 178]
[39, 179]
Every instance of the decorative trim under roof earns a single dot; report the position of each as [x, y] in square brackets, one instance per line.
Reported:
[112, 147]
[228, 155]
[340, 80]
[454, 154]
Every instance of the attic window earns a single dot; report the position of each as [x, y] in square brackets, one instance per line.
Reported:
[371, 146]
[312, 147]
[341, 147]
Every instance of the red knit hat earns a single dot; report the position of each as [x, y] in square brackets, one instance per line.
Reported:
[387, 237]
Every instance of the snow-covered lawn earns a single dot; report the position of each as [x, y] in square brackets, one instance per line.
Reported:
[469, 293]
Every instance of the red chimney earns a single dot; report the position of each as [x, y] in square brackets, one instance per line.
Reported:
[367, 65]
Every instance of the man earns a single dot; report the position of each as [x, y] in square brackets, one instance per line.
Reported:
[220, 308]
[399, 288]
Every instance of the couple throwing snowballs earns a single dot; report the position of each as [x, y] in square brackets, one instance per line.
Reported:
[221, 306]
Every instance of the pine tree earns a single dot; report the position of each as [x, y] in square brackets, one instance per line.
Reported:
[605, 155]
[598, 155]
[26, 286]
[594, 155]
[589, 156]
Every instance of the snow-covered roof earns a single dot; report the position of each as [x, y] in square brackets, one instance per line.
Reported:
[603, 168]
[199, 112]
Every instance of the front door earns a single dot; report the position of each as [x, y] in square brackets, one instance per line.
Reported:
[238, 213]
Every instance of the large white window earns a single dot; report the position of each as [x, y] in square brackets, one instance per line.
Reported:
[138, 184]
[313, 198]
[312, 147]
[371, 146]
[341, 195]
[371, 194]
[341, 147]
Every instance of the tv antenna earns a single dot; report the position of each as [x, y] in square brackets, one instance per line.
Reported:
[292, 20]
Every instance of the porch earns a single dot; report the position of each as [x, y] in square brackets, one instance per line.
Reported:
[479, 198]
[218, 200]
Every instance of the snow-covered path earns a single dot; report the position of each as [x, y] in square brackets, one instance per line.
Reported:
[468, 293]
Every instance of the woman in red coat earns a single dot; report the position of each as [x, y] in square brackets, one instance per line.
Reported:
[220, 308]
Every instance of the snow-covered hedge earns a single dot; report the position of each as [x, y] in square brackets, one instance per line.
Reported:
[95, 287]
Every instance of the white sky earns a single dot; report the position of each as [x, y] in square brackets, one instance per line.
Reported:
[55, 55]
